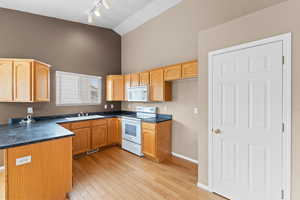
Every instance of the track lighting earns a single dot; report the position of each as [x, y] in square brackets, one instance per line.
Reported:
[96, 9]
[97, 12]
[90, 18]
[105, 4]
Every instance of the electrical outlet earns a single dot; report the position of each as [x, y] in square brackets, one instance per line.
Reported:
[29, 110]
[105, 106]
[112, 106]
[196, 110]
[165, 108]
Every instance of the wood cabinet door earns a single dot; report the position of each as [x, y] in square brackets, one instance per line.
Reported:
[172, 72]
[47, 177]
[190, 69]
[127, 84]
[109, 88]
[112, 135]
[119, 131]
[115, 88]
[42, 82]
[135, 79]
[6, 80]
[144, 78]
[157, 85]
[149, 142]
[81, 140]
[99, 136]
[118, 89]
[23, 81]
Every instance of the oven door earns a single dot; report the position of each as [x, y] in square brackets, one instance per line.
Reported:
[131, 130]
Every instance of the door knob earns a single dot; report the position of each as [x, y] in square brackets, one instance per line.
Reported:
[217, 131]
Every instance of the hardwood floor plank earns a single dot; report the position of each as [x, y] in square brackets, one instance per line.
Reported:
[2, 185]
[114, 174]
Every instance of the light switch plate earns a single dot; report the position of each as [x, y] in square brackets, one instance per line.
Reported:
[105, 106]
[196, 111]
[23, 160]
[112, 106]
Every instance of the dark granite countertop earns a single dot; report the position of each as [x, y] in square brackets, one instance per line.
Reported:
[47, 128]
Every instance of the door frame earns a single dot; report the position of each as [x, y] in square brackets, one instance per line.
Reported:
[287, 106]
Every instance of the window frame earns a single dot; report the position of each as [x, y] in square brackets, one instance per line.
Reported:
[57, 92]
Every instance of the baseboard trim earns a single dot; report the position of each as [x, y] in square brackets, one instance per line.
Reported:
[203, 187]
[2, 168]
[185, 158]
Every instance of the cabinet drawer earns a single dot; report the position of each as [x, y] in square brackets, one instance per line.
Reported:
[149, 126]
[83, 124]
[99, 122]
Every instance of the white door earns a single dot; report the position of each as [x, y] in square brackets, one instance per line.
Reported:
[247, 118]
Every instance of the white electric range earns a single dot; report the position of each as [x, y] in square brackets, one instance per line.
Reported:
[132, 129]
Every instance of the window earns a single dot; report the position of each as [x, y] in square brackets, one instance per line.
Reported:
[77, 89]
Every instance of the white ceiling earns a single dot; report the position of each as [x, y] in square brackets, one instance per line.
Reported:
[121, 17]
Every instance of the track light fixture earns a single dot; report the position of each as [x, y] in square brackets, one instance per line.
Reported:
[96, 10]
[90, 18]
[105, 4]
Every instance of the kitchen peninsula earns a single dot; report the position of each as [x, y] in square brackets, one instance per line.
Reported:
[38, 156]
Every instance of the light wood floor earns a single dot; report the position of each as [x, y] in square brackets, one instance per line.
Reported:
[2, 184]
[117, 174]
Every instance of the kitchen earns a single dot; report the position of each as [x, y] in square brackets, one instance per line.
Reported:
[114, 94]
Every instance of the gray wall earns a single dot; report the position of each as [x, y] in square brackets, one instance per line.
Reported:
[278, 19]
[67, 46]
[173, 37]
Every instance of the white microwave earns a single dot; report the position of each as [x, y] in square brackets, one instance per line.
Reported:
[138, 93]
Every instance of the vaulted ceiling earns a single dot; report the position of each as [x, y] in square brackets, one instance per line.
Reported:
[123, 16]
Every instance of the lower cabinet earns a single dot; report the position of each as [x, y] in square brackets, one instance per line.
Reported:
[113, 131]
[81, 140]
[99, 135]
[157, 140]
[149, 142]
[47, 176]
[93, 134]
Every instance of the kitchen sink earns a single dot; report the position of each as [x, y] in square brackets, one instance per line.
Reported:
[85, 117]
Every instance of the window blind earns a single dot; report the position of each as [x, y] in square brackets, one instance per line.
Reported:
[77, 89]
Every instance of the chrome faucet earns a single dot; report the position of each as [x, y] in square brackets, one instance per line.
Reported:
[81, 114]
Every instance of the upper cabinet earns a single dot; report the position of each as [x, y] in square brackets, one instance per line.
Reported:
[6, 80]
[190, 69]
[159, 89]
[42, 82]
[24, 80]
[144, 78]
[135, 79]
[130, 80]
[127, 84]
[172, 72]
[158, 80]
[115, 88]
